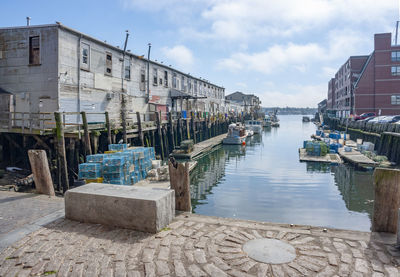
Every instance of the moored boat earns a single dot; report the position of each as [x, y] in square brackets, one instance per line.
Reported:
[236, 135]
[266, 121]
[249, 133]
[254, 125]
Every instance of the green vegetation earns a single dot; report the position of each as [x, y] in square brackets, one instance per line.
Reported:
[47, 273]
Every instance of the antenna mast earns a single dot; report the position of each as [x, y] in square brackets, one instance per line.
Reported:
[397, 27]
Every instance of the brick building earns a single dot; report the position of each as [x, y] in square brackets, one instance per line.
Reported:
[340, 88]
[378, 88]
[368, 83]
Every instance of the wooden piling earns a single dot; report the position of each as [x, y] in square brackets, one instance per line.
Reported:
[88, 148]
[61, 152]
[159, 132]
[171, 130]
[179, 127]
[193, 127]
[41, 172]
[387, 200]
[180, 182]
[140, 130]
[108, 127]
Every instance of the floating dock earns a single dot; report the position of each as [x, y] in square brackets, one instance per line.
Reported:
[356, 157]
[328, 158]
[200, 148]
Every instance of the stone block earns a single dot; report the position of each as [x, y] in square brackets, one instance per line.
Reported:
[137, 208]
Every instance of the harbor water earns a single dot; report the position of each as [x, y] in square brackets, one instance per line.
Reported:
[265, 181]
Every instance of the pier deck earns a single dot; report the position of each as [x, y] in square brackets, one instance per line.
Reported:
[200, 148]
[328, 158]
[356, 157]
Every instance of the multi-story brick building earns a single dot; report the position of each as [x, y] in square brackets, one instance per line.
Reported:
[331, 94]
[378, 88]
[368, 83]
[340, 88]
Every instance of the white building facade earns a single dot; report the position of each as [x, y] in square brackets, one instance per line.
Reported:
[52, 68]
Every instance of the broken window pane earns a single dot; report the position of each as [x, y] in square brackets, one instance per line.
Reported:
[34, 50]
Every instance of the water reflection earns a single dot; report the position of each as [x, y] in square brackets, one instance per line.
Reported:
[265, 181]
[356, 188]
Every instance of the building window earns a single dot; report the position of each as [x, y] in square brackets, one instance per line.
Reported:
[108, 64]
[395, 70]
[166, 78]
[34, 50]
[174, 80]
[127, 69]
[155, 77]
[183, 87]
[195, 86]
[395, 56]
[160, 81]
[395, 99]
[142, 85]
[85, 56]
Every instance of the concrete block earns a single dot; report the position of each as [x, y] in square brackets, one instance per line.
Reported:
[138, 208]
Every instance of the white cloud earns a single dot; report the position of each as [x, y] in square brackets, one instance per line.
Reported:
[274, 58]
[302, 57]
[179, 55]
[258, 19]
[328, 72]
[294, 96]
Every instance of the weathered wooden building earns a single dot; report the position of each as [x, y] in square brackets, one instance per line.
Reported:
[50, 68]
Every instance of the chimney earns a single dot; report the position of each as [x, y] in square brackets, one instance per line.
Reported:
[28, 21]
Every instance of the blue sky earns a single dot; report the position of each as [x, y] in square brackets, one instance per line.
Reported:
[284, 51]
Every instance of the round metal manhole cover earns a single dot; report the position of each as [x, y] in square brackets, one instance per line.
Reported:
[270, 251]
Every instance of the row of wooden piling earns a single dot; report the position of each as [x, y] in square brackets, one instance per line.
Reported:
[66, 150]
[385, 136]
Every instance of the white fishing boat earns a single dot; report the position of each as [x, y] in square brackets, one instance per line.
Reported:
[249, 133]
[266, 121]
[254, 125]
[236, 135]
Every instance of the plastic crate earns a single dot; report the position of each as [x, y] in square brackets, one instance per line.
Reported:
[114, 175]
[90, 170]
[97, 158]
[114, 160]
[117, 147]
[115, 182]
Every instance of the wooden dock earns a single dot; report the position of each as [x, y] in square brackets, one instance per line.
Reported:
[328, 158]
[356, 157]
[200, 148]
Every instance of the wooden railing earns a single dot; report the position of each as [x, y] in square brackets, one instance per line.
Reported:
[44, 122]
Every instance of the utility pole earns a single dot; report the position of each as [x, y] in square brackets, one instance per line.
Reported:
[123, 104]
[148, 73]
[123, 61]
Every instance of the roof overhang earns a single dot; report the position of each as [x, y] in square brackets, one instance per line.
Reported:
[3, 91]
[177, 94]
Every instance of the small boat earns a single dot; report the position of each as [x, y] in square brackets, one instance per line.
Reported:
[254, 125]
[274, 119]
[249, 133]
[236, 135]
[306, 119]
[266, 121]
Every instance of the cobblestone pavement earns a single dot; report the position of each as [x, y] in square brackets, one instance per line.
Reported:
[18, 209]
[195, 245]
